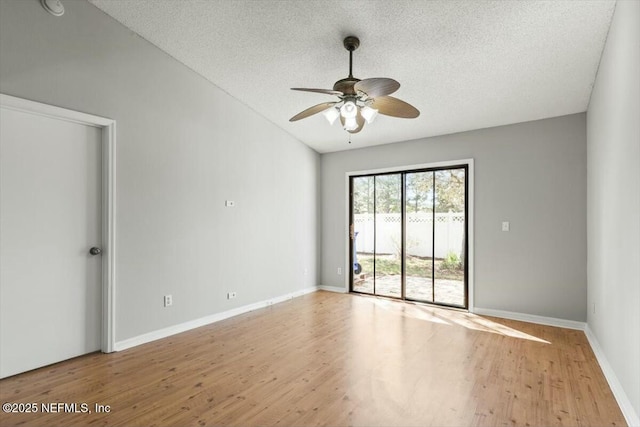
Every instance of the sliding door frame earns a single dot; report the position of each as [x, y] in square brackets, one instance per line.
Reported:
[469, 219]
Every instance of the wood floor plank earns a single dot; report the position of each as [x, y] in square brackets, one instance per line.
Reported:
[333, 359]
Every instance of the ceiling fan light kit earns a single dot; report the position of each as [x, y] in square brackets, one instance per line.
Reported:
[360, 100]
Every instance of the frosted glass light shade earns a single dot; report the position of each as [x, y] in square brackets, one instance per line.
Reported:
[331, 114]
[369, 113]
[349, 110]
[350, 123]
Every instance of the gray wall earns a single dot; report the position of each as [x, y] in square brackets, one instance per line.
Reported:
[531, 174]
[184, 146]
[613, 210]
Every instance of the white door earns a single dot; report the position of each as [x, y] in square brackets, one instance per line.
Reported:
[50, 217]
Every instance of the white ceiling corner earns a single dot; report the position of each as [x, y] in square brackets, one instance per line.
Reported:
[464, 64]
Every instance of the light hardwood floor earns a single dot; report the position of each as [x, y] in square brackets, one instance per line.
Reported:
[334, 359]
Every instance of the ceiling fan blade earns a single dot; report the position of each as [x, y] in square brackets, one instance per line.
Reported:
[312, 110]
[390, 106]
[378, 86]
[359, 120]
[327, 91]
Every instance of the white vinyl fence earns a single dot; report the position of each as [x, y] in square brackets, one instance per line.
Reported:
[449, 233]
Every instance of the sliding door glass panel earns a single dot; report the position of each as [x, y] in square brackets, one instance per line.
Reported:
[419, 236]
[363, 227]
[449, 237]
[388, 235]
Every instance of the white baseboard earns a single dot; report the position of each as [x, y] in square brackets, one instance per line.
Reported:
[333, 289]
[531, 318]
[192, 324]
[621, 397]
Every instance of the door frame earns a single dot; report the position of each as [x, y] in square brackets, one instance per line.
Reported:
[108, 208]
[470, 214]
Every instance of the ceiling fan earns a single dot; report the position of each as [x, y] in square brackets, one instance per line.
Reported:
[360, 100]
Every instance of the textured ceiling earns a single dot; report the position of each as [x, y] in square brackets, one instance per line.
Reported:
[464, 64]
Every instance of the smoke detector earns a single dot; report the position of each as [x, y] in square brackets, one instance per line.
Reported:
[54, 7]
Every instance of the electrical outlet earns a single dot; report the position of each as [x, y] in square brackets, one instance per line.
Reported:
[339, 270]
[231, 295]
[168, 300]
[229, 203]
[505, 225]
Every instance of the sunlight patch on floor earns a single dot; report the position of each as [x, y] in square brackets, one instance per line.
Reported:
[452, 317]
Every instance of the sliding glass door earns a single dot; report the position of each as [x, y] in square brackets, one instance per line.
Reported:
[419, 198]
[409, 235]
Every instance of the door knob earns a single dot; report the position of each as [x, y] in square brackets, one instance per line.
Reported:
[95, 250]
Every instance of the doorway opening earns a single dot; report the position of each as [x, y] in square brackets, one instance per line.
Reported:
[408, 235]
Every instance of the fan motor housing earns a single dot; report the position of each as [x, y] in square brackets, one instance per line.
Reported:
[346, 85]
